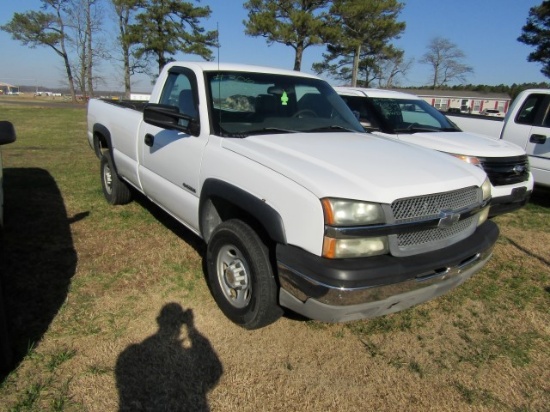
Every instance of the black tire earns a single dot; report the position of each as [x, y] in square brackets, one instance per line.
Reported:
[240, 276]
[115, 190]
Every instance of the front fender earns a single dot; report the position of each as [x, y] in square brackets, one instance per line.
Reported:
[214, 189]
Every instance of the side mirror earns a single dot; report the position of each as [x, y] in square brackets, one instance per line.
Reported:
[7, 132]
[169, 117]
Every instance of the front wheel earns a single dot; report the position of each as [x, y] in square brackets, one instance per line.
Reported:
[115, 190]
[240, 275]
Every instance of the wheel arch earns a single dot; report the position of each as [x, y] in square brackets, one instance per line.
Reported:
[220, 201]
[102, 139]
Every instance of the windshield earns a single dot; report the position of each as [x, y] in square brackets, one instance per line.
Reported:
[398, 115]
[244, 104]
[411, 116]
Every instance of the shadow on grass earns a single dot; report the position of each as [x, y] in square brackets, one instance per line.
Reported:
[170, 223]
[38, 258]
[541, 196]
[166, 372]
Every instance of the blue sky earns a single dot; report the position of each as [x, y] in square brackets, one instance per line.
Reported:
[485, 30]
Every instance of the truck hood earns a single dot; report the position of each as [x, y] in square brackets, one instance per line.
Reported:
[469, 144]
[356, 165]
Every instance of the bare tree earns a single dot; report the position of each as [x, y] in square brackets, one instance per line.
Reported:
[392, 69]
[125, 11]
[85, 17]
[445, 58]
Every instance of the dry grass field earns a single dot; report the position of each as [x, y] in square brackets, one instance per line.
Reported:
[108, 310]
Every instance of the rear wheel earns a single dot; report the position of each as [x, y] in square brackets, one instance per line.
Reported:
[240, 275]
[115, 190]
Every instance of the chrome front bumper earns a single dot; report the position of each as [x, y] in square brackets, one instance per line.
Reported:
[346, 299]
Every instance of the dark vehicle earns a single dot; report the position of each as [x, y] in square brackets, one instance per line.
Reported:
[7, 135]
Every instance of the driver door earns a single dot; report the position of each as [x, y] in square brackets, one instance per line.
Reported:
[170, 160]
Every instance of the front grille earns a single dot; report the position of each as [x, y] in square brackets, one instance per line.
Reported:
[425, 237]
[506, 170]
[431, 206]
[415, 208]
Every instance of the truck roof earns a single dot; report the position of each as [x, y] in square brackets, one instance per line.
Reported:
[214, 66]
[369, 92]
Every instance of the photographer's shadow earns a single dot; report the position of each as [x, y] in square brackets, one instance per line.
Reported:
[166, 372]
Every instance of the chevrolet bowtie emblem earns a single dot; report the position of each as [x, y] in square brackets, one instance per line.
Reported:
[519, 169]
[447, 218]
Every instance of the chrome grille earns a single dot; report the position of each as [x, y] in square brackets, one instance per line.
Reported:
[414, 208]
[427, 236]
[431, 206]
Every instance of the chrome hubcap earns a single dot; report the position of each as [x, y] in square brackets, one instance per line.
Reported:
[108, 178]
[233, 276]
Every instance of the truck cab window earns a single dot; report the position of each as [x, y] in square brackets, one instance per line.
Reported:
[529, 110]
[179, 91]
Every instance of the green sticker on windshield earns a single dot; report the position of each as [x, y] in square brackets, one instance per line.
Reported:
[284, 99]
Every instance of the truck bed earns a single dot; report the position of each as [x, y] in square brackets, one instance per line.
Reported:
[129, 104]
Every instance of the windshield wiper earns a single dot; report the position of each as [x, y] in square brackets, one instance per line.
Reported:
[331, 128]
[416, 129]
[264, 130]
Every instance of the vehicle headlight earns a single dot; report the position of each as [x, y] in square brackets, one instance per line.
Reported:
[343, 212]
[356, 247]
[483, 216]
[486, 189]
[468, 159]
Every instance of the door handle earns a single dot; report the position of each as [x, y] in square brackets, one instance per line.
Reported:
[149, 139]
[537, 139]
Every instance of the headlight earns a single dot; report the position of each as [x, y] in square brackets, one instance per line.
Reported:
[486, 189]
[468, 159]
[343, 212]
[483, 216]
[352, 248]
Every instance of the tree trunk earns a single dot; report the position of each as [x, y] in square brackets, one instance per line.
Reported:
[127, 82]
[436, 76]
[355, 69]
[65, 56]
[89, 57]
[70, 78]
[123, 19]
[298, 57]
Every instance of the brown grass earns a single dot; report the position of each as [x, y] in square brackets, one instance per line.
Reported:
[132, 317]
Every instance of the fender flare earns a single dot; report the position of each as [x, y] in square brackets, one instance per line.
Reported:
[103, 131]
[268, 217]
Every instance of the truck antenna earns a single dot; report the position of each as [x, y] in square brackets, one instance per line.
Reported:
[219, 79]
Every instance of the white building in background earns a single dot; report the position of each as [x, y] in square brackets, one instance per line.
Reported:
[6, 88]
[463, 101]
[140, 96]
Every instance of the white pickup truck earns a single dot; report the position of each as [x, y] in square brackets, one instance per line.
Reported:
[298, 206]
[410, 119]
[527, 124]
